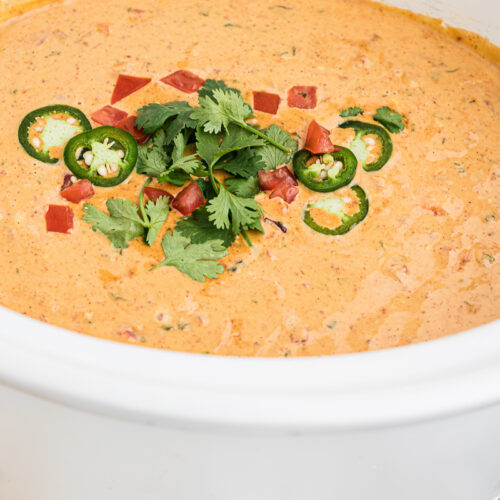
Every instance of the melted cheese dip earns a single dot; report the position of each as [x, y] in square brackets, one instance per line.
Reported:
[423, 264]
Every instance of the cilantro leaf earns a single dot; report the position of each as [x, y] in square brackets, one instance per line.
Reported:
[207, 145]
[207, 89]
[175, 177]
[271, 155]
[246, 188]
[256, 226]
[122, 225]
[154, 160]
[212, 149]
[211, 115]
[220, 108]
[178, 172]
[245, 163]
[223, 107]
[196, 260]
[237, 138]
[159, 138]
[228, 210]
[198, 228]
[151, 161]
[390, 119]
[153, 116]
[157, 214]
[352, 111]
[182, 122]
[188, 164]
[179, 147]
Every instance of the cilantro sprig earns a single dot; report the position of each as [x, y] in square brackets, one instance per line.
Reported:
[227, 210]
[246, 188]
[222, 107]
[352, 111]
[191, 144]
[181, 163]
[199, 229]
[390, 119]
[166, 160]
[124, 223]
[153, 116]
[196, 260]
[210, 85]
[271, 156]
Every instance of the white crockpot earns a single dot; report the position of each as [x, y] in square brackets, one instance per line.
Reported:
[87, 419]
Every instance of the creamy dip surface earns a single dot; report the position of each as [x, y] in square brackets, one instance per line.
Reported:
[422, 265]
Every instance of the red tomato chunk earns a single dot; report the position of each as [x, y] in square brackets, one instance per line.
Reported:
[108, 116]
[281, 182]
[59, 219]
[126, 85]
[318, 139]
[270, 179]
[154, 193]
[127, 124]
[189, 199]
[81, 190]
[266, 102]
[184, 80]
[285, 191]
[302, 97]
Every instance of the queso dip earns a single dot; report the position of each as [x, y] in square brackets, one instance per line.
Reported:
[422, 264]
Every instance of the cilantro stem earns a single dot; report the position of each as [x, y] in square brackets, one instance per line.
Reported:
[246, 238]
[212, 178]
[264, 136]
[145, 217]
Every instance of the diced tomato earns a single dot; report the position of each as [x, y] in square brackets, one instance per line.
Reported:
[266, 102]
[318, 139]
[59, 219]
[126, 85]
[128, 125]
[154, 193]
[184, 80]
[270, 179]
[189, 199]
[285, 191]
[281, 182]
[302, 97]
[81, 190]
[108, 115]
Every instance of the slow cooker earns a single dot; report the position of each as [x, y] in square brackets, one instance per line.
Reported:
[83, 418]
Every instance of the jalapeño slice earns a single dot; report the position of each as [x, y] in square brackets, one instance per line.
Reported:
[339, 214]
[44, 132]
[359, 148]
[105, 155]
[328, 172]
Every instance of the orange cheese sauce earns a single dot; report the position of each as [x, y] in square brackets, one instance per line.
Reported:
[423, 264]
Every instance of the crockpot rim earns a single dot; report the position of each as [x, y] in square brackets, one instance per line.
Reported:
[396, 386]
[389, 387]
